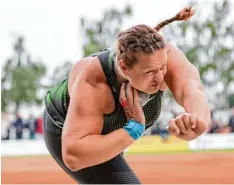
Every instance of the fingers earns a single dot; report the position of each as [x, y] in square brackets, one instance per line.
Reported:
[185, 119]
[130, 102]
[130, 94]
[193, 121]
[173, 128]
[201, 125]
[136, 98]
[126, 94]
[180, 124]
[122, 94]
[186, 124]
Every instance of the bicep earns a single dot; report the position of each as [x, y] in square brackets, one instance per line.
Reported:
[181, 74]
[84, 116]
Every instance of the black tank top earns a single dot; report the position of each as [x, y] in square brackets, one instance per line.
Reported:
[57, 100]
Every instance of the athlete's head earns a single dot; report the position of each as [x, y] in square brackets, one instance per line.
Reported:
[142, 56]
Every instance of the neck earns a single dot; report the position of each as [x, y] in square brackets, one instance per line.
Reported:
[120, 76]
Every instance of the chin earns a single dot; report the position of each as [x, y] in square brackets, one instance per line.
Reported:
[152, 89]
[149, 90]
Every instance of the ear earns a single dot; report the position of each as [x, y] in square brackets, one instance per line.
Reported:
[124, 68]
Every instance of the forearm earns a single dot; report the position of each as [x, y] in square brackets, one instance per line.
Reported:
[195, 102]
[95, 149]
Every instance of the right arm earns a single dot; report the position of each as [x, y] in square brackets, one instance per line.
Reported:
[82, 142]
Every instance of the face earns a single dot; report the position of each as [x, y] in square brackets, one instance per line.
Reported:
[148, 73]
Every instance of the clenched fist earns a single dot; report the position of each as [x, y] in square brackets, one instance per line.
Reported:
[187, 126]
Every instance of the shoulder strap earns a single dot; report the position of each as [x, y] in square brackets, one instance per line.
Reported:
[106, 58]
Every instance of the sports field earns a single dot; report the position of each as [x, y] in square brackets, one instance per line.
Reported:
[198, 167]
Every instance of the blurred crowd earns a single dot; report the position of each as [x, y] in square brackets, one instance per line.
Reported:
[19, 128]
[31, 128]
[218, 126]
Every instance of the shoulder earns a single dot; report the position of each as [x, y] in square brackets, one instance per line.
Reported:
[89, 85]
[88, 70]
[180, 70]
[177, 61]
[168, 47]
[174, 53]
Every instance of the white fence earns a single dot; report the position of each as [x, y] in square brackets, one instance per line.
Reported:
[37, 147]
[23, 147]
[213, 142]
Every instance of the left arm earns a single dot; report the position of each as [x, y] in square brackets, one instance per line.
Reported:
[183, 79]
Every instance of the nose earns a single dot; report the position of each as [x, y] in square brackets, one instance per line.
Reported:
[159, 77]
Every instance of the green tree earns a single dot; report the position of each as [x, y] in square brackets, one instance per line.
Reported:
[99, 34]
[207, 41]
[20, 78]
[60, 73]
[231, 100]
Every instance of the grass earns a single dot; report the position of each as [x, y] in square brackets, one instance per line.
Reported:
[137, 153]
[176, 152]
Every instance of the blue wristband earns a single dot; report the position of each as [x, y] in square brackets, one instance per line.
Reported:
[134, 129]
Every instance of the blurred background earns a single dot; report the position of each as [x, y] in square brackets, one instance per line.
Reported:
[41, 40]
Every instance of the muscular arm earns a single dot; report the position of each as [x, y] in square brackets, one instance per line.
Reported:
[183, 79]
[82, 144]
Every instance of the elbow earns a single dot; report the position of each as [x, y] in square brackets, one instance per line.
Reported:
[71, 162]
[70, 159]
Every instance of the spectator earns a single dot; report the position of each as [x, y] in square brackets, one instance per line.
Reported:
[231, 121]
[214, 125]
[39, 130]
[5, 127]
[19, 126]
[32, 126]
[225, 129]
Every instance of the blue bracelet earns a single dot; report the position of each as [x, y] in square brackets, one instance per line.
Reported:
[135, 129]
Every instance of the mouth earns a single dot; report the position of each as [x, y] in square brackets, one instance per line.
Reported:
[154, 85]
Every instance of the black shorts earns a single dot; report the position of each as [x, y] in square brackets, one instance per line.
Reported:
[114, 171]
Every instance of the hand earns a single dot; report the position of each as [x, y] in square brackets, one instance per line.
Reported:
[131, 104]
[187, 126]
